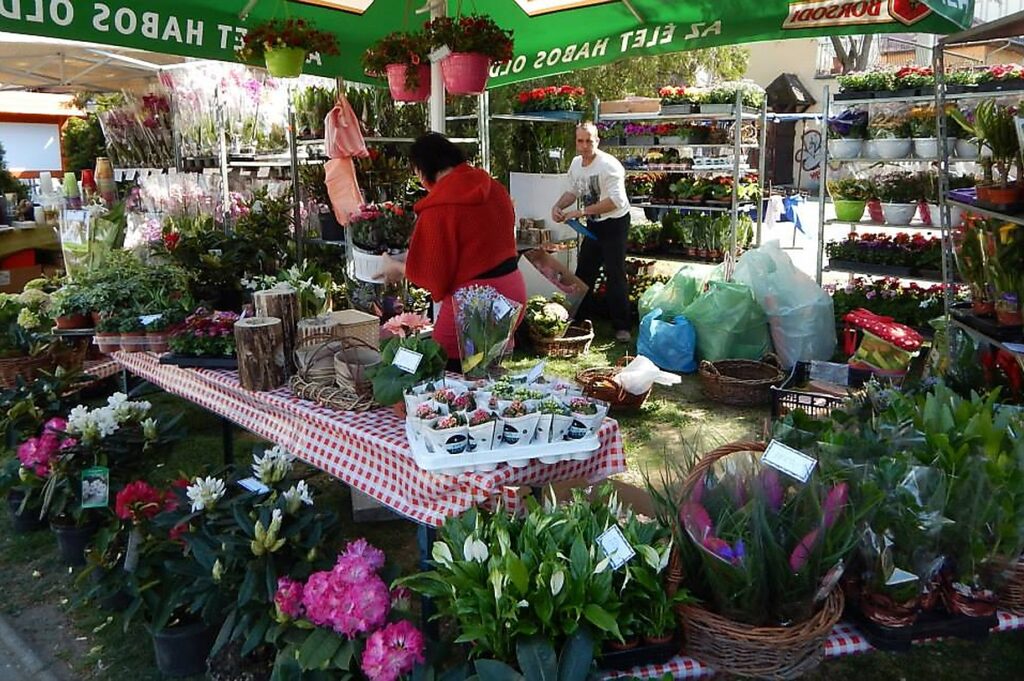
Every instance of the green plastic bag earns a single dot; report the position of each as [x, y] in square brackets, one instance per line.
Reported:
[729, 323]
[674, 295]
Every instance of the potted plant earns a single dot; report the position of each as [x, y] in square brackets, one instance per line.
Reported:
[993, 126]
[1001, 77]
[390, 382]
[918, 79]
[157, 328]
[899, 192]
[888, 136]
[26, 474]
[205, 334]
[639, 134]
[675, 99]
[133, 333]
[70, 307]
[547, 318]
[923, 126]
[282, 44]
[847, 132]
[108, 334]
[849, 196]
[375, 230]
[404, 59]
[311, 107]
[864, 83]
[971, 263]
[475, 42]
[1005, 249]
[961, 125]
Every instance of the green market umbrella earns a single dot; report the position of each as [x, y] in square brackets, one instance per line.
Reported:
[551, 36]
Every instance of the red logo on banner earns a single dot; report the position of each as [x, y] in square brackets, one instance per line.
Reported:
[908, 11]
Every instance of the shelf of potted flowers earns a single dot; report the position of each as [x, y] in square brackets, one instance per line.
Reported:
[846, 133]
[283, 45]
[403, 58]
[561, 102]
[474, 43]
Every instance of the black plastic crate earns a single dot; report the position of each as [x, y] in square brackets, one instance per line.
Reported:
[788, 396]
[643, 654]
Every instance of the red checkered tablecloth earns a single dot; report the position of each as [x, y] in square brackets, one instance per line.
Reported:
[367, 450]
[844, 640]
[101, 368]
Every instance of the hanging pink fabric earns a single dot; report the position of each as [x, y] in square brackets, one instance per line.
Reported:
[343, 140]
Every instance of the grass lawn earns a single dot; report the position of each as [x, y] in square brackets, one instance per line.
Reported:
[40, 595]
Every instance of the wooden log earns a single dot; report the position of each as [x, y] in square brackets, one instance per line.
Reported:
[283, 304]
[315, 326]
[260, 347]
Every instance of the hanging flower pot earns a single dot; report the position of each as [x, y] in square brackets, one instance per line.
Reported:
[401, 89]
[465, 73]
[285, 62]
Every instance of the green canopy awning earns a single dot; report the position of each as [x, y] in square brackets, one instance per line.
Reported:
[551, 36]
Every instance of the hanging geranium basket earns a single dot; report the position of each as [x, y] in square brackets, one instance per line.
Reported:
[402, 57]
[475, 43]
[282, 45]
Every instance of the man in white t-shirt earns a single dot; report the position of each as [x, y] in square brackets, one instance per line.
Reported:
[597, 184]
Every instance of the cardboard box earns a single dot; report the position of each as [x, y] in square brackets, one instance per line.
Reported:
[643, 104]
[545, 276]
[13, 280]
[615, 106]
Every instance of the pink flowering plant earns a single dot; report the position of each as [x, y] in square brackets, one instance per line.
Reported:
[758, 546]
[205, 334]
[344, 619]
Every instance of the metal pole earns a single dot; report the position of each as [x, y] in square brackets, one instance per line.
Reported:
[761, 153]
[437, 110]
[826, 101]
[939, 68]
[737, 141]
[483, 128]
[293, 149]
[224, 170]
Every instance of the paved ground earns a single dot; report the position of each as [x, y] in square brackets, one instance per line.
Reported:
[18, 662]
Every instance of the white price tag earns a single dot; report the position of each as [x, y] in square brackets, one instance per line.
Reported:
[533, 374]
[148, 319]
[900, 576]
[554, 153]
[118, 174]
[829, 372]
[501, 308]
[130, 174]
[263, 172]
[440, 53]
[792, 462]
[408, 360]
[253, 485]
[615, 547]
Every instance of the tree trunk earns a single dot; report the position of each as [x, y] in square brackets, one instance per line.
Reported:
[853, 54]
[260, 347]
[281, 304]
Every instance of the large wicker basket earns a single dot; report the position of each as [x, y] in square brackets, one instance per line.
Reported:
[1011, 595]
[363, 327]
[741, 649]
[25, 366]
[598, 383]
[574, 342]
[741, 382]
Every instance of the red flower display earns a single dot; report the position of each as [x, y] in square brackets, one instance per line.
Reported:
[552, 98]
[139, 501]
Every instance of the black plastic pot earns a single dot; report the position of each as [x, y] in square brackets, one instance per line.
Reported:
[116, 602]
[28, 521]
[330, 229]
[72, 541]
[183, 650]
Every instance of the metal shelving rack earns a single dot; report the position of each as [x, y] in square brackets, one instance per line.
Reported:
[737, 116]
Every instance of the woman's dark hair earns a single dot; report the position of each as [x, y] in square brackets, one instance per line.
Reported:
[432, 153]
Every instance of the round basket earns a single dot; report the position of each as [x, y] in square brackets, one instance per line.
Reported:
[598, 383]
[311, 382]
[25, 366]
[574, 342]
[1011, 596]
[741, 382]
[742, 649]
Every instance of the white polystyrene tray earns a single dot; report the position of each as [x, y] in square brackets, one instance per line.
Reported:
[489, 459]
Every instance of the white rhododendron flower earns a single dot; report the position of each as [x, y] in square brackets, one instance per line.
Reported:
[204, 493]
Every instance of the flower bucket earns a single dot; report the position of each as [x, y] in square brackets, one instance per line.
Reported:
[849, 211]
[899, 213]
[396, 83]
[285, 62]
[366, 265]
[845, 148]
[465, 73]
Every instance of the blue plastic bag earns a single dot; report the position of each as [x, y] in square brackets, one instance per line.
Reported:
[669, 344]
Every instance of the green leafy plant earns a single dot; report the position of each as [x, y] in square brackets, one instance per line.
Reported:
[547, 318]
[850, 189]
[993, 126]
[282, 33]
[473, 33]
[899, 187]
[390, 382]
[538, 661]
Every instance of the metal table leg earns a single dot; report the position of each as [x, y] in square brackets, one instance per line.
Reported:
[425, 537]
[227, 431]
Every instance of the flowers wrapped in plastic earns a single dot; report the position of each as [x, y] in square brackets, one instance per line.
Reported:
[484, 321]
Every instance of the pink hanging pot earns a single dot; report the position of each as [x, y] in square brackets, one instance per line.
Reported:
[400, 91]
[465, 73]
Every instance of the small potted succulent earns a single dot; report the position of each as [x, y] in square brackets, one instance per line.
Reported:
[849, 196]
[475, 42]
[283, 44]
[404, 59]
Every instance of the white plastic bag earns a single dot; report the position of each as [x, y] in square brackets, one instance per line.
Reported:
[638, 376]
[800, 313]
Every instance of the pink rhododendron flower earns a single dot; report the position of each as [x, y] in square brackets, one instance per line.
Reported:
[392, 652]
[348, 608]
[289, 597]
[37, 454]
[55, 425]
[362, 549]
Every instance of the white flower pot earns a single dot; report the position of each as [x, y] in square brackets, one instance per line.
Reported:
[450, 440]
[845, 148]
[551, 428]
[893, 149]
[956, 216]
[585, 425]
[899, 213]
[928, 147]
[481, 437]
[868, 150]
[366, 266]
[518, 431]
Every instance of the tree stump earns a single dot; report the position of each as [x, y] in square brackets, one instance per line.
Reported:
[260, 347]
[283, 304]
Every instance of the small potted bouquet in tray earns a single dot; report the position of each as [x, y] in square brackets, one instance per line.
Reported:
[587, 415]
[484, 321]
[481, 430]
[554, 422]
[449, 434]
[519, 423]
[378, 229]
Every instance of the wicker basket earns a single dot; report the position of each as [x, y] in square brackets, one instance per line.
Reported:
[742, 382]
[361, 326]
[317, 386]
[25, 366]
[574, 342]
[1011, 596]
[742, 649]
[598, 383]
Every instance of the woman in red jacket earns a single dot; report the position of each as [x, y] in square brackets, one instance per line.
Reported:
[465, 234]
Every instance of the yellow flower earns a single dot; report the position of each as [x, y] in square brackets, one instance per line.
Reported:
[1005, 231]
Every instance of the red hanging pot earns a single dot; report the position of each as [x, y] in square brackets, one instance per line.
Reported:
[465, 73]
[400, 92]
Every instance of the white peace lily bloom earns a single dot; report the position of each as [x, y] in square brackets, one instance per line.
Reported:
[601, 567]
[475, 550]
[441, 553]
[204, 493]
[296, 496]
[557, 581]
[523, 604]
[319, 291]
[504, 543]
[149, 429]
[666, 552]
[550, 500]
[650, 555]
[614, 507]
[497, 582]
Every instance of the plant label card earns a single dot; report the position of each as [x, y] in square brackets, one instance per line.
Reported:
[118, 174]
[96, 487]
[130, 174]
[1015, 347]
[533, 374]
[408, 360]
[829, 581]
[253, 485]
[900, 576]
[615, 547]
[439, 54]
[263, 172]
[555, 153]
[829, 372]
[148, 319]
[792, 462]
[501, 308]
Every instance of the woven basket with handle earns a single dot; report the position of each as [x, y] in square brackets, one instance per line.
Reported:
[741, 382]
[574, 342]
[742, 649]
[1011, 596]
[311, 384]
[598, 383]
